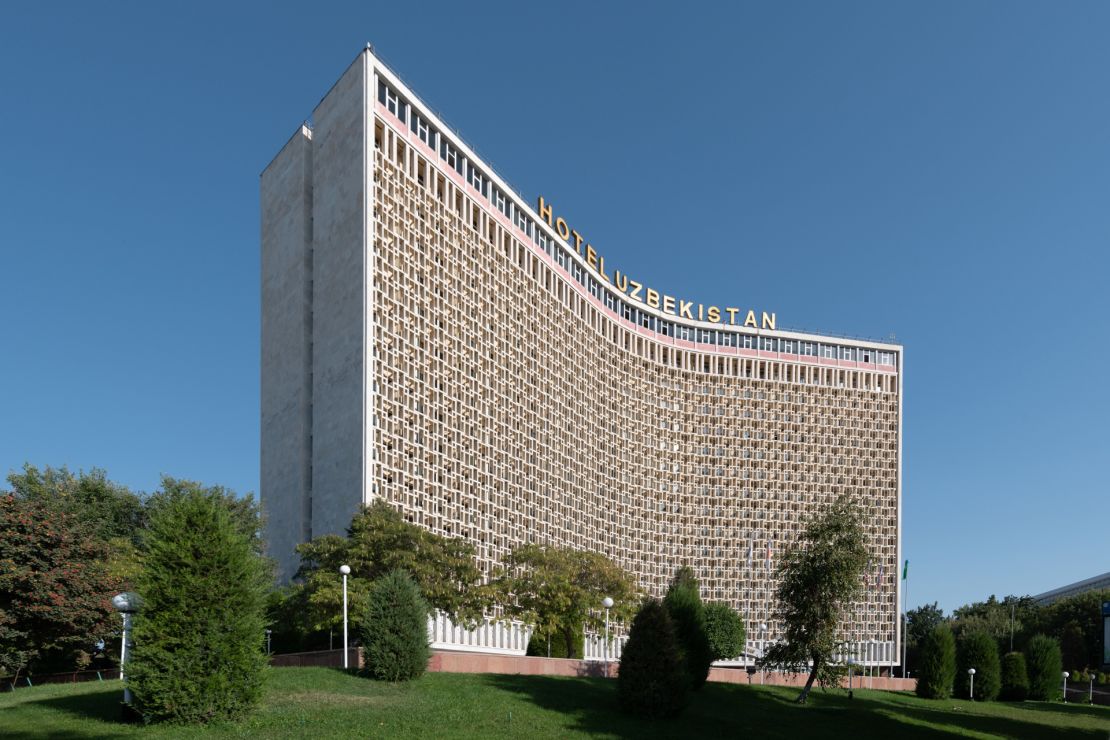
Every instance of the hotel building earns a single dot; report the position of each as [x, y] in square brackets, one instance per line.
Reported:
[433, 339]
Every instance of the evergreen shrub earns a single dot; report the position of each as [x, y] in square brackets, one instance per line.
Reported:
[198, 649]
[393, 628]
[1015, 679]
[978, 650]
[653, 681]
[1042, 658]
[936, 673]
[683, 602]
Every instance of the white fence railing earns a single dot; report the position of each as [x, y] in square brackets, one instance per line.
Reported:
[511, 638]
[489, 636]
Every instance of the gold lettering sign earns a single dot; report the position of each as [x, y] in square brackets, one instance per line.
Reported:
[649, 296]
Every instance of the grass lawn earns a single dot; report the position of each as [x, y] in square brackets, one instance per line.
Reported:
[321, 702]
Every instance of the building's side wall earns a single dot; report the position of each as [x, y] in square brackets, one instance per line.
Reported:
[339, 308]
[286, 402]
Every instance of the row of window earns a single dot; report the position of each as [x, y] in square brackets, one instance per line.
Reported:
[560, 252]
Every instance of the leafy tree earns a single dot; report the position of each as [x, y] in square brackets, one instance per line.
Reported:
[683, 602]
[936, 671]
[199, 639]
[378, 542]
[108, 510]
[393, 627]
[1042, 656]
[1072, 650]
[1015, 679]
[725, 629]
[1077, 621]
[560, 589]
[54, 591]
[978, 650]
[818, 576]
[994, 617]
[653, 680]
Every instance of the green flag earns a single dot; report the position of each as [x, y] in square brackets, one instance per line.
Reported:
[905, 570]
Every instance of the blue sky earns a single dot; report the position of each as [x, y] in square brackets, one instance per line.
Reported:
[939, 171]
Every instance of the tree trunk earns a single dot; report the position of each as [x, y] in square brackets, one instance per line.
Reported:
[809, 682]
[568, 635]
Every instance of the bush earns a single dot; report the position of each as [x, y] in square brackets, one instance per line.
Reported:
[978, 650]
[393, 627]
[199, 640]
[936, 673]
[1042, 656]
[538, 644]
[1015, 679]
[683, 603]
[725, 630]
[653, 681]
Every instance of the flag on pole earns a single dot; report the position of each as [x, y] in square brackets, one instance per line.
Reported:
[768, 554]
[905, 570]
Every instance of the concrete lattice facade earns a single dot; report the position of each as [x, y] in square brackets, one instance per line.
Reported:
[428, 339]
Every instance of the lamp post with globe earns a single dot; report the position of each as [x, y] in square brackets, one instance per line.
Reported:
[608, 604]
[126, 603]
[971, 687]
[345, 570]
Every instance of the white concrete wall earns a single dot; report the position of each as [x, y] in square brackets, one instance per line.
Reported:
[340, 285]
[286, 402]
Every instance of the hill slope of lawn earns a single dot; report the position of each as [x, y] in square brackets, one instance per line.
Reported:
[320, 702]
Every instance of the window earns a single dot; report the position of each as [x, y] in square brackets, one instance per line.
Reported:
[788, 346]
[828, 351]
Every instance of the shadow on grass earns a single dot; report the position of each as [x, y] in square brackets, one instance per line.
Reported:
[102, 709]
[718, 710]
[946, 717]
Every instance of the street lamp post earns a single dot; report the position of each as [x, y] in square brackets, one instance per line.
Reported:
[268, 652]
[1066, 674]
[871, 664]
[762, 652]
[608, 604]
[1091, 689]
[345, 570]
[126, 603]
[971, 688]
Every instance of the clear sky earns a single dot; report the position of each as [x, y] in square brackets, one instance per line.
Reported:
[935, 170]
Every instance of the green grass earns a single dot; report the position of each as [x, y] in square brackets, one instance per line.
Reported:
[320, 702]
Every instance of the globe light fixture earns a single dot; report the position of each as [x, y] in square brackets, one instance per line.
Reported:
[1066, 675]
[971, 687]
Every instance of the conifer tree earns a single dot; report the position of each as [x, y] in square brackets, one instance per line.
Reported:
[1045, 666]
[653, 681]
[199, 653]
[394, 629]
[936, 674]
[683, 603]
[978, 650]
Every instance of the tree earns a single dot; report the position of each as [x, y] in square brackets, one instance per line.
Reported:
[393, 627]
[978, 650]
[818, 577]
[653, 680]
[683, 603]
[107, 510]
[919, 623]
[1015, 679]
[725, 629]
[1073, 651]
[1042, 656]
[936, 671]
[378, 542]
[560, 589]
[199, 639]
[1077, 621]
[54, 590]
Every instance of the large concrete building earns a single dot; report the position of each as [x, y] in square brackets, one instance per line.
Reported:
[432, 339]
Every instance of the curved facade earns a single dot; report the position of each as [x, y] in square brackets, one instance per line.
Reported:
[431, 339]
